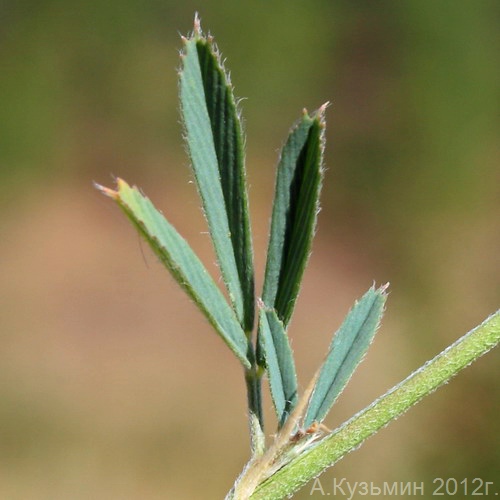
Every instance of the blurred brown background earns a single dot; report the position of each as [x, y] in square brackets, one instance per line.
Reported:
[112, 386]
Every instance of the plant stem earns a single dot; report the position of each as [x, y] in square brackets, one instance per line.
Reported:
[394, 403]
[253, 380]
[256, 421]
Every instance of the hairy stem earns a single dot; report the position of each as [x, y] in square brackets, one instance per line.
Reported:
[388, 407]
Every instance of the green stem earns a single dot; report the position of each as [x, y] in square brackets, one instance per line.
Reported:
[256, 420]
[388, 407]
[253, 380]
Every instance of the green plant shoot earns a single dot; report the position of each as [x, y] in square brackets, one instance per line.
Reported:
[301, 448]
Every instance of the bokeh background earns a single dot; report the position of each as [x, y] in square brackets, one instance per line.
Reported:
[112, 385]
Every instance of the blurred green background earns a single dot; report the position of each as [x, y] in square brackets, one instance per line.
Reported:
[112, 386]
